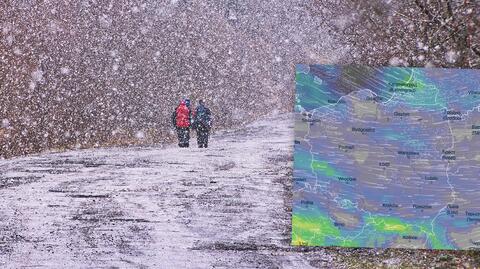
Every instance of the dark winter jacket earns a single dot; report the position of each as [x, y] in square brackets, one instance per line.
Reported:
[202, 118]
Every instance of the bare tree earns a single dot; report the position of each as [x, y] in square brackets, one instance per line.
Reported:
[442, 33]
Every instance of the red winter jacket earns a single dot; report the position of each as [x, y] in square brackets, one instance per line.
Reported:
[182, 117]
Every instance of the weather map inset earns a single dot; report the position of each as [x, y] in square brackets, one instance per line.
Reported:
[386, 157]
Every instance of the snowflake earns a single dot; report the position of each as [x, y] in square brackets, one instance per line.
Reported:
[140, 135]
[37, 75]
[395, 61]
[65, 70]
[451, 56]
[5, 123]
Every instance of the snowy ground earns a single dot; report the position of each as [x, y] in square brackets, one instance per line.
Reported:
[153, 207]
[162, 207]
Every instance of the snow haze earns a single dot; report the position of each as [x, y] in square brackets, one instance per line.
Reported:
[103, 71]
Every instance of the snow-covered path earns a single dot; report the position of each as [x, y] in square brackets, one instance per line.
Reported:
[225, 206]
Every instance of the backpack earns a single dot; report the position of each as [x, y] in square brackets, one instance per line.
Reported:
[203, 117]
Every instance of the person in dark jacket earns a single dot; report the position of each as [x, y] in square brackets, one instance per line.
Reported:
[202, 124]
[181, 119]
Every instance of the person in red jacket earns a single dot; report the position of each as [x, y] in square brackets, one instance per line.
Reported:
[181, 120]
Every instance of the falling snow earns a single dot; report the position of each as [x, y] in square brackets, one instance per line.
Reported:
[395, 61]
[89, 68]
[85, 74]
[451, 56]
[5, 123]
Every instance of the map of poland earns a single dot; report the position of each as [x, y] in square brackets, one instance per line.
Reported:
[387, 157]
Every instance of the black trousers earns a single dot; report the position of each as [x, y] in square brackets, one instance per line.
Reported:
[183, 137]
[202, 137]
